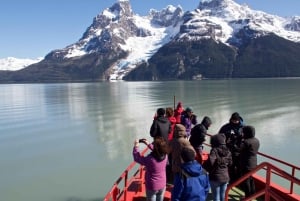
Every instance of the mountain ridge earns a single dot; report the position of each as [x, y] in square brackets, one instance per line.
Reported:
[119, 41]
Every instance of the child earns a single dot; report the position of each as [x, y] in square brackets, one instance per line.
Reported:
[192, 183]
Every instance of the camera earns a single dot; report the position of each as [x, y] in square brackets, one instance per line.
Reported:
[143, 140]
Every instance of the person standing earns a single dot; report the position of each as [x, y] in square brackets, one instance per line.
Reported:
[192, 183]
[188, 119]
[217, 165]
[155, 163]
[161, 126]
[233, 133]
[172, 119]
[177, 112]
[248, 157]
[176, 145]
[198, 134]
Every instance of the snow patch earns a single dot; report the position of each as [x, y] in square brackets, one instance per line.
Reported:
[13, 64]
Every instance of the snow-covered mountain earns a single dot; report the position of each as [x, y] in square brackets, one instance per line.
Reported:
[118, 40]
[13, 64]
[223, 20]
[118, 27]
[142, 36]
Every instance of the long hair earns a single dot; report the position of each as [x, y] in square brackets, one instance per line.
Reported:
[160, 147]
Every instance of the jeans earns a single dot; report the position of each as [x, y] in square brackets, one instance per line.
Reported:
[155, 195]
[218, 190]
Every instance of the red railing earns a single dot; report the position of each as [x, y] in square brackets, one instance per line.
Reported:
[116, 191]
[271, 169]
[267, 189]
[286, 165]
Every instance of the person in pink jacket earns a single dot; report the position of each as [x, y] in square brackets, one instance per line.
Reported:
[155, 163]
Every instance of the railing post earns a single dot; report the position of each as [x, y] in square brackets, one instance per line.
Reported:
[115, 193]
[268, 183]
[125, 185]
[292, 183]
[141, 172]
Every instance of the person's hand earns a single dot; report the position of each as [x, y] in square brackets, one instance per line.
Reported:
[143, 140]
[136, 143]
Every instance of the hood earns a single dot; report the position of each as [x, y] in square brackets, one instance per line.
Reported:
[218, 140]
[162, 119]
[179, 105]
[179, 131]
[249, 132]
[236, 116]
[206, 122]
[193, 168]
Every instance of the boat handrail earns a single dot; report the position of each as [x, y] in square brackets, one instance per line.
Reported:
[115, 191]
[267, 189]
[293, 168]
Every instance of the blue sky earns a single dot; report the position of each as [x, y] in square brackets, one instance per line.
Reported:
[32, 28]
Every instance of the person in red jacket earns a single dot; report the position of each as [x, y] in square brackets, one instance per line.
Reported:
[172, 119]
[177, 112]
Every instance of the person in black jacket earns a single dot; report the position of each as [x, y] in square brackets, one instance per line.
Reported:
[198, 134]
[233, 133]
[161, 126]
[217, 165]
[248, 157]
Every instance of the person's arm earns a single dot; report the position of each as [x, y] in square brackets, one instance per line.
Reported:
[229, 159]
[153, 129]
[202, 135]
[136, 154]
[145, 141]
[194, 119]
[212, 157]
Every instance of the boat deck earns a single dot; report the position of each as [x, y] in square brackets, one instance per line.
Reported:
[139, 195]
[267, 188]
[136, 191]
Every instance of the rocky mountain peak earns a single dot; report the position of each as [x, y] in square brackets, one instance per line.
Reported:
[118, 12]
[294, 24]
[121, 8]
[166, 17]
[216, 4]
[224, 8]
[109, 29]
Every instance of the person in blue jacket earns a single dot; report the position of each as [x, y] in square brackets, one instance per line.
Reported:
[192, 183]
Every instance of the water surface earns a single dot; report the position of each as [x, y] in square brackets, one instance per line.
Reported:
[62, 142]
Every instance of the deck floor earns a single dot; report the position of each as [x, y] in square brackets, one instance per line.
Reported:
[134, 195]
